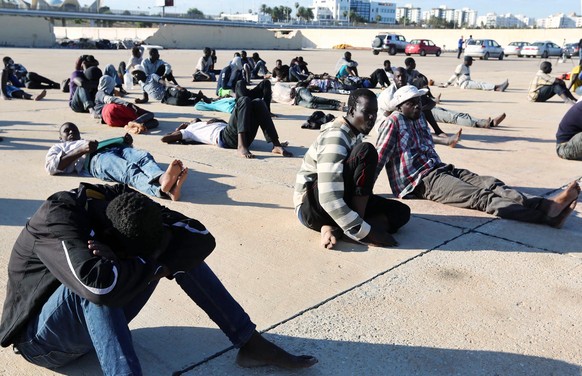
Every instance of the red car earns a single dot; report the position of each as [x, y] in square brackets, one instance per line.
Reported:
[422, 47]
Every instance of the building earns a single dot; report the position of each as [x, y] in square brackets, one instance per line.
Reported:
[247, 17]
[339, 10]
[409, 14]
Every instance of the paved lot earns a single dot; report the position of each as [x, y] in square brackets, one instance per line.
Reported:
[465, 293]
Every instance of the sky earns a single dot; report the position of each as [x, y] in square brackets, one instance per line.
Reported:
[531, 8]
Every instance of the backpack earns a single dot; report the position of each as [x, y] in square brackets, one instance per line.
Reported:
[317, 119]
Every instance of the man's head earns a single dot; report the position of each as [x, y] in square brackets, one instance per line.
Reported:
[468, 60]
[93, 73]
[362, 110]
[348, 55]
[410, 63]
[278, 63]
[136, 51]
[400, 77]
[154, 55]
[387, 65]
[69, 132]
[8, 62]
[256, 56]
[546, 67]
[139, 73]
[106, 85]
[137, 224]
[207, 51]
[407, 101]
[89, 61]
[243, 54]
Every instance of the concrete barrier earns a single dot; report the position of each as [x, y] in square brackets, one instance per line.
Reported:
[21, 31]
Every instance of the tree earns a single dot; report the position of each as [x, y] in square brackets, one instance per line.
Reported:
[305, 14]
[265, 9]
[195, 13]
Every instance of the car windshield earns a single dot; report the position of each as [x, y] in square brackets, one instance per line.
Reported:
[415, 41]
[538, 44]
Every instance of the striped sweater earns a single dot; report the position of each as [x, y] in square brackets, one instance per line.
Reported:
[324, 162]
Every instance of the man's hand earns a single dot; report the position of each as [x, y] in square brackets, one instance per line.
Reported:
[128, 139]
[92, 146]
[101, 249]
[379, 238]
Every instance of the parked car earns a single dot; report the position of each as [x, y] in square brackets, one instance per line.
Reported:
[514, 48]
[571, 50]
[422, 47]
[391, 43]
[542, 49]
[484, 49]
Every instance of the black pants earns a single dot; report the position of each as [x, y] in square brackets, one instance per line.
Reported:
[359, 177]
[36, 81]
[548, 91]
[261, 91]
[379, 76]
[248, 116]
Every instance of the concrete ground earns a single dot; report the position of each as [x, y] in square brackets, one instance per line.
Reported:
[464, 293]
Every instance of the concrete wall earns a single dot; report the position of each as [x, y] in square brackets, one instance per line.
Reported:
[20, 31]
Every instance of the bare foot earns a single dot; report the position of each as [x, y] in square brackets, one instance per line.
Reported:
[169, 178]
[258, 352]
[454, 139]
[40, 96]
[559, 221]
[557, 204]
[135, 127]
[282, 151]
[498, 120]
[245, 153]
[176, 192]
[329, 236]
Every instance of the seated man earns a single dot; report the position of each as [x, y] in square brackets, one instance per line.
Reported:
[119, 113]
[260, 69]
[544, 86]
[154, 65]
[229, 76]
[202, 71]
[83, 88]
[114, 160]
[462, 78]
[333, 188]
[383, 76]
[87, 262]
[161, 90]
[241, 130]
[406, 150]
[20, 77]
[569, 135]
[9, 91]
[298, 69]
[281, 72]
[346, 66]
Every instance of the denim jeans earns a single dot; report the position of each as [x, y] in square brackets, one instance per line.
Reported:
[306, 99]
[127, 165]
[259, 68]
[442, 115]
[81, 100]
[69, 326]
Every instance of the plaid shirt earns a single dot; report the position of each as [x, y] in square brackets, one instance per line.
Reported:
[325, 161]
[405, 147]
[540, 80]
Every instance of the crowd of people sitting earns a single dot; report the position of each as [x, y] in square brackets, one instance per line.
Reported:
[333, 192]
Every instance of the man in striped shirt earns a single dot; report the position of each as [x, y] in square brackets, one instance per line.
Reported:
[333, 189]
[406, 149]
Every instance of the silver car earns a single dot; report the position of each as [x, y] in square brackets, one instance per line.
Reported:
[484, 49]
[514, 48]
[542, 49]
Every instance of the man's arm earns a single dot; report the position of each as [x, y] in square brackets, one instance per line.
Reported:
[57, 159]
[386, 144]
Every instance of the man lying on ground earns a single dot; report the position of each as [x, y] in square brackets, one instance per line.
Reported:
[114, 160]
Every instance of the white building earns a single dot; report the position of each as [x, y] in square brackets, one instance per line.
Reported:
[409, 12]
[465, 17]
[247, 17]
[338, 10]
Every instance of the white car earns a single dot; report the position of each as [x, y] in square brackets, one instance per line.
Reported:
[514, 48]
[484, 49]
[542, 49]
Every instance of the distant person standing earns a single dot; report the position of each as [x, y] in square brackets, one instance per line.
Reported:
[468, 41]
[460, 45]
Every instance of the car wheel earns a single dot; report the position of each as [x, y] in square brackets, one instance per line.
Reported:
[377, 42]
[545, 55]
[392, 50]
[501, 56]
[375, 52]
[438, 53]
[407, 53]
[422, 53]
[486, 56]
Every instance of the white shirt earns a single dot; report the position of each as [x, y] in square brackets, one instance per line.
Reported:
[57, 151]
[384, 102]
[203, 132]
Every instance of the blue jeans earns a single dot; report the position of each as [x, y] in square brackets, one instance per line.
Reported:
[69, 326]
[81, 100]
[124, 164]
[260, 68]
